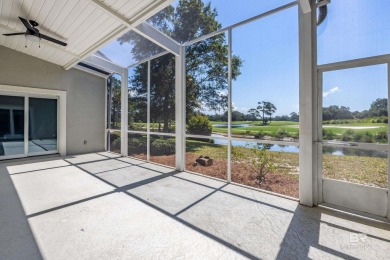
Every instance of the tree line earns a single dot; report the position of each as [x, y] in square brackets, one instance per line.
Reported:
[378, 108]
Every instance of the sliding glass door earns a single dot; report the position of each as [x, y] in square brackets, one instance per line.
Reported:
[28, 126]
[11, 126]
[42, 126]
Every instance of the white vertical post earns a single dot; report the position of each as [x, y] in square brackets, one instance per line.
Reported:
[388, 138]
[109, 115]
[318, 90]
[307, 103]
[229, 168]
[148, 113]
[180, 109]
[62, 123]
[105, 115]
[26, 125]
[124, 112]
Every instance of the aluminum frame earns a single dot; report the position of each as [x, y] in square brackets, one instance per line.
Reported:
[180, 89]
[338, 66]
[178, 114]
[27, 93]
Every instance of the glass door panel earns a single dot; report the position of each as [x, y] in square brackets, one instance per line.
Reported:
[42, 126]
[11, 126]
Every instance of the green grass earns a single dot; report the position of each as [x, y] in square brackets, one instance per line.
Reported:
[206, 149]
[293, 128]
[336, 129]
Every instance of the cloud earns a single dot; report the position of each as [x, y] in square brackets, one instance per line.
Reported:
[330, 91]
[240, 109]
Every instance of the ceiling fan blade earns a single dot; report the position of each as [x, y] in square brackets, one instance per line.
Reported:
[27, 24]
[42, 36]
[11, 34]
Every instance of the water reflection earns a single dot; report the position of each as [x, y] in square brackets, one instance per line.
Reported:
[341, 151]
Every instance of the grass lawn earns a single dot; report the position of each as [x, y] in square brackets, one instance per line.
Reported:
[341, 129]
[371, 171]
[293, 128]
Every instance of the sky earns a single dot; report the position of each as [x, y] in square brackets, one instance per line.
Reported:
[269, 50]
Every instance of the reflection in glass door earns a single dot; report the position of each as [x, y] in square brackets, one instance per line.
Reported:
[11, 126]
[42, 126]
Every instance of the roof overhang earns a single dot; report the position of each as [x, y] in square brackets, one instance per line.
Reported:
[85, 25]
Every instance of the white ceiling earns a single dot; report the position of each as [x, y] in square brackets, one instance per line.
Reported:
[85, 25]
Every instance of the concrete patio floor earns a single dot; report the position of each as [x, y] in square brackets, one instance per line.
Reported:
[101, 206]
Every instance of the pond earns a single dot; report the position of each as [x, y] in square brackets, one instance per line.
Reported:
[233, 125]
[274, 148]
[295, 149]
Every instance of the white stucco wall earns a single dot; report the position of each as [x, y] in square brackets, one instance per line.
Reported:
[85, 96]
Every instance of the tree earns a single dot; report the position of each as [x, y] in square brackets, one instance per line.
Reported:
[199, 125]
[254, 113]
[206, 61]
[237, 116]
[336, 112]
[294, 117]
[261, 108]
[137, 106]
[379, 107]
[115, 89]
[269, 109]
[266, 108]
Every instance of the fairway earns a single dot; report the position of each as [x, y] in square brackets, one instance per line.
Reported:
[291, 129]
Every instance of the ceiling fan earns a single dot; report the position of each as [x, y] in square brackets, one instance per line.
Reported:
[33, 32]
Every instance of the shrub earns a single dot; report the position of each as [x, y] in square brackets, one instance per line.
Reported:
[199, 125]
[116, 145]
[248, 132]
[137, 145]
[348, 135]
[385, 120]
[260, 161]
[115, 142]
[281, 133]
[163, 146]
[358, 137]
[262, 164]
[328, 134]
[259, 135]
[381, 136]
[379, 121]
[368, 137]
